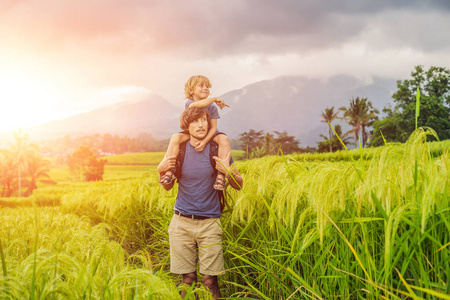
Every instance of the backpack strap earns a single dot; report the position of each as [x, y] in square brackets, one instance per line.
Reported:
[180, 160]
[213, 151]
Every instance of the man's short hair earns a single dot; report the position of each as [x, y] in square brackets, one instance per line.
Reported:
[191, 114]
[192, 83]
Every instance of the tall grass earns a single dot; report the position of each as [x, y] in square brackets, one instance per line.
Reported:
[359, 229]
[137, 210]
[60, 256]
[361, 224]
[369, 226]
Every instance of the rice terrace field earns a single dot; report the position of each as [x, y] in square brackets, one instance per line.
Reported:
[356, 224]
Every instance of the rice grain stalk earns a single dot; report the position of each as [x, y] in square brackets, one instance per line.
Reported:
[2, 256]
[142, 284]
[382, 177]
[390, 233]
[291, 198]
[329, 190]
[417, 150]
[351, 248]
[13, 288]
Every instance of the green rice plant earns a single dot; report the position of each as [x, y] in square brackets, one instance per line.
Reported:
[360, 224]
[60, 256]
[147, 158]
[137, 210]
[382, 206]
[124, 172]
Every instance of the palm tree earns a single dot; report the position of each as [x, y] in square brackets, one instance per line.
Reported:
[21, 149]
[367, 120]
[268, 143]
[329, 116]
[336, 145]
[251, 140]
[37, 169]
[360, 114]
[8, 173]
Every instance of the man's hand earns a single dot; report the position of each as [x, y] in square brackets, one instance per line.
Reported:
[221, 103]
[199, 146]
[167, 164]
[222, 165]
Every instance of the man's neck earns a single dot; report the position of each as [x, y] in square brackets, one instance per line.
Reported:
[193, 141]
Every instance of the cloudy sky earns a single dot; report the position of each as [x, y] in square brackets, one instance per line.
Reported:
[63, 57]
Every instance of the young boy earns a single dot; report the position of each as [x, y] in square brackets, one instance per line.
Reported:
[196, 91]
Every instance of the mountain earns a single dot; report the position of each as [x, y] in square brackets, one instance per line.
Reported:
[289, 103]
[295, 104]
[153, 114]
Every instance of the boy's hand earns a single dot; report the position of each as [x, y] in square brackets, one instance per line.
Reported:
[167, 164]
[200, 146]
[221, 103]
[222, 165]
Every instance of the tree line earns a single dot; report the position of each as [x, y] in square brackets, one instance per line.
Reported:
[258, 143]
[104, 144]
[399, 122]
[22, 167]
[367, 129]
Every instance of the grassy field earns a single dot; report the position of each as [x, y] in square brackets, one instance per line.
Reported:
[360, 224]
[152, 158]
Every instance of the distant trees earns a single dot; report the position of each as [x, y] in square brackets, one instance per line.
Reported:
[333, 143]
[328, 116]
[37, 169]
[251, 140]
[22, 167]
[20, 150]
[106, 144]
[388, 127]
[286, 143]
[84, 164]
[360, 114]
[257, 144]
[399, 123]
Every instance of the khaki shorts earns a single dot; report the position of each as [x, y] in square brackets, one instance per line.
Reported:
[193, 241]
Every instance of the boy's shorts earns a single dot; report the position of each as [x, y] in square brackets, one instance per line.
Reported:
[193, 241]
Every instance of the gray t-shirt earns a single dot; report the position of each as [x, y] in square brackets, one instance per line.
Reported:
[196, 193]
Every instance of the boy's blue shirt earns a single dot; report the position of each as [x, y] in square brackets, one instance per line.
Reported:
[212, 109]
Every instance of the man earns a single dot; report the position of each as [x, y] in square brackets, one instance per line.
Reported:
[195, 233]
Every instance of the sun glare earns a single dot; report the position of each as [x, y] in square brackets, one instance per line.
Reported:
[25, 101]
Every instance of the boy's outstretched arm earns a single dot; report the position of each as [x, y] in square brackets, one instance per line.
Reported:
[205, 102]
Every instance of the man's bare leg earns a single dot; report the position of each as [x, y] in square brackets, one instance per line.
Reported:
[189, 279]
[172, 150]
[213, 284]
[224, 147]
